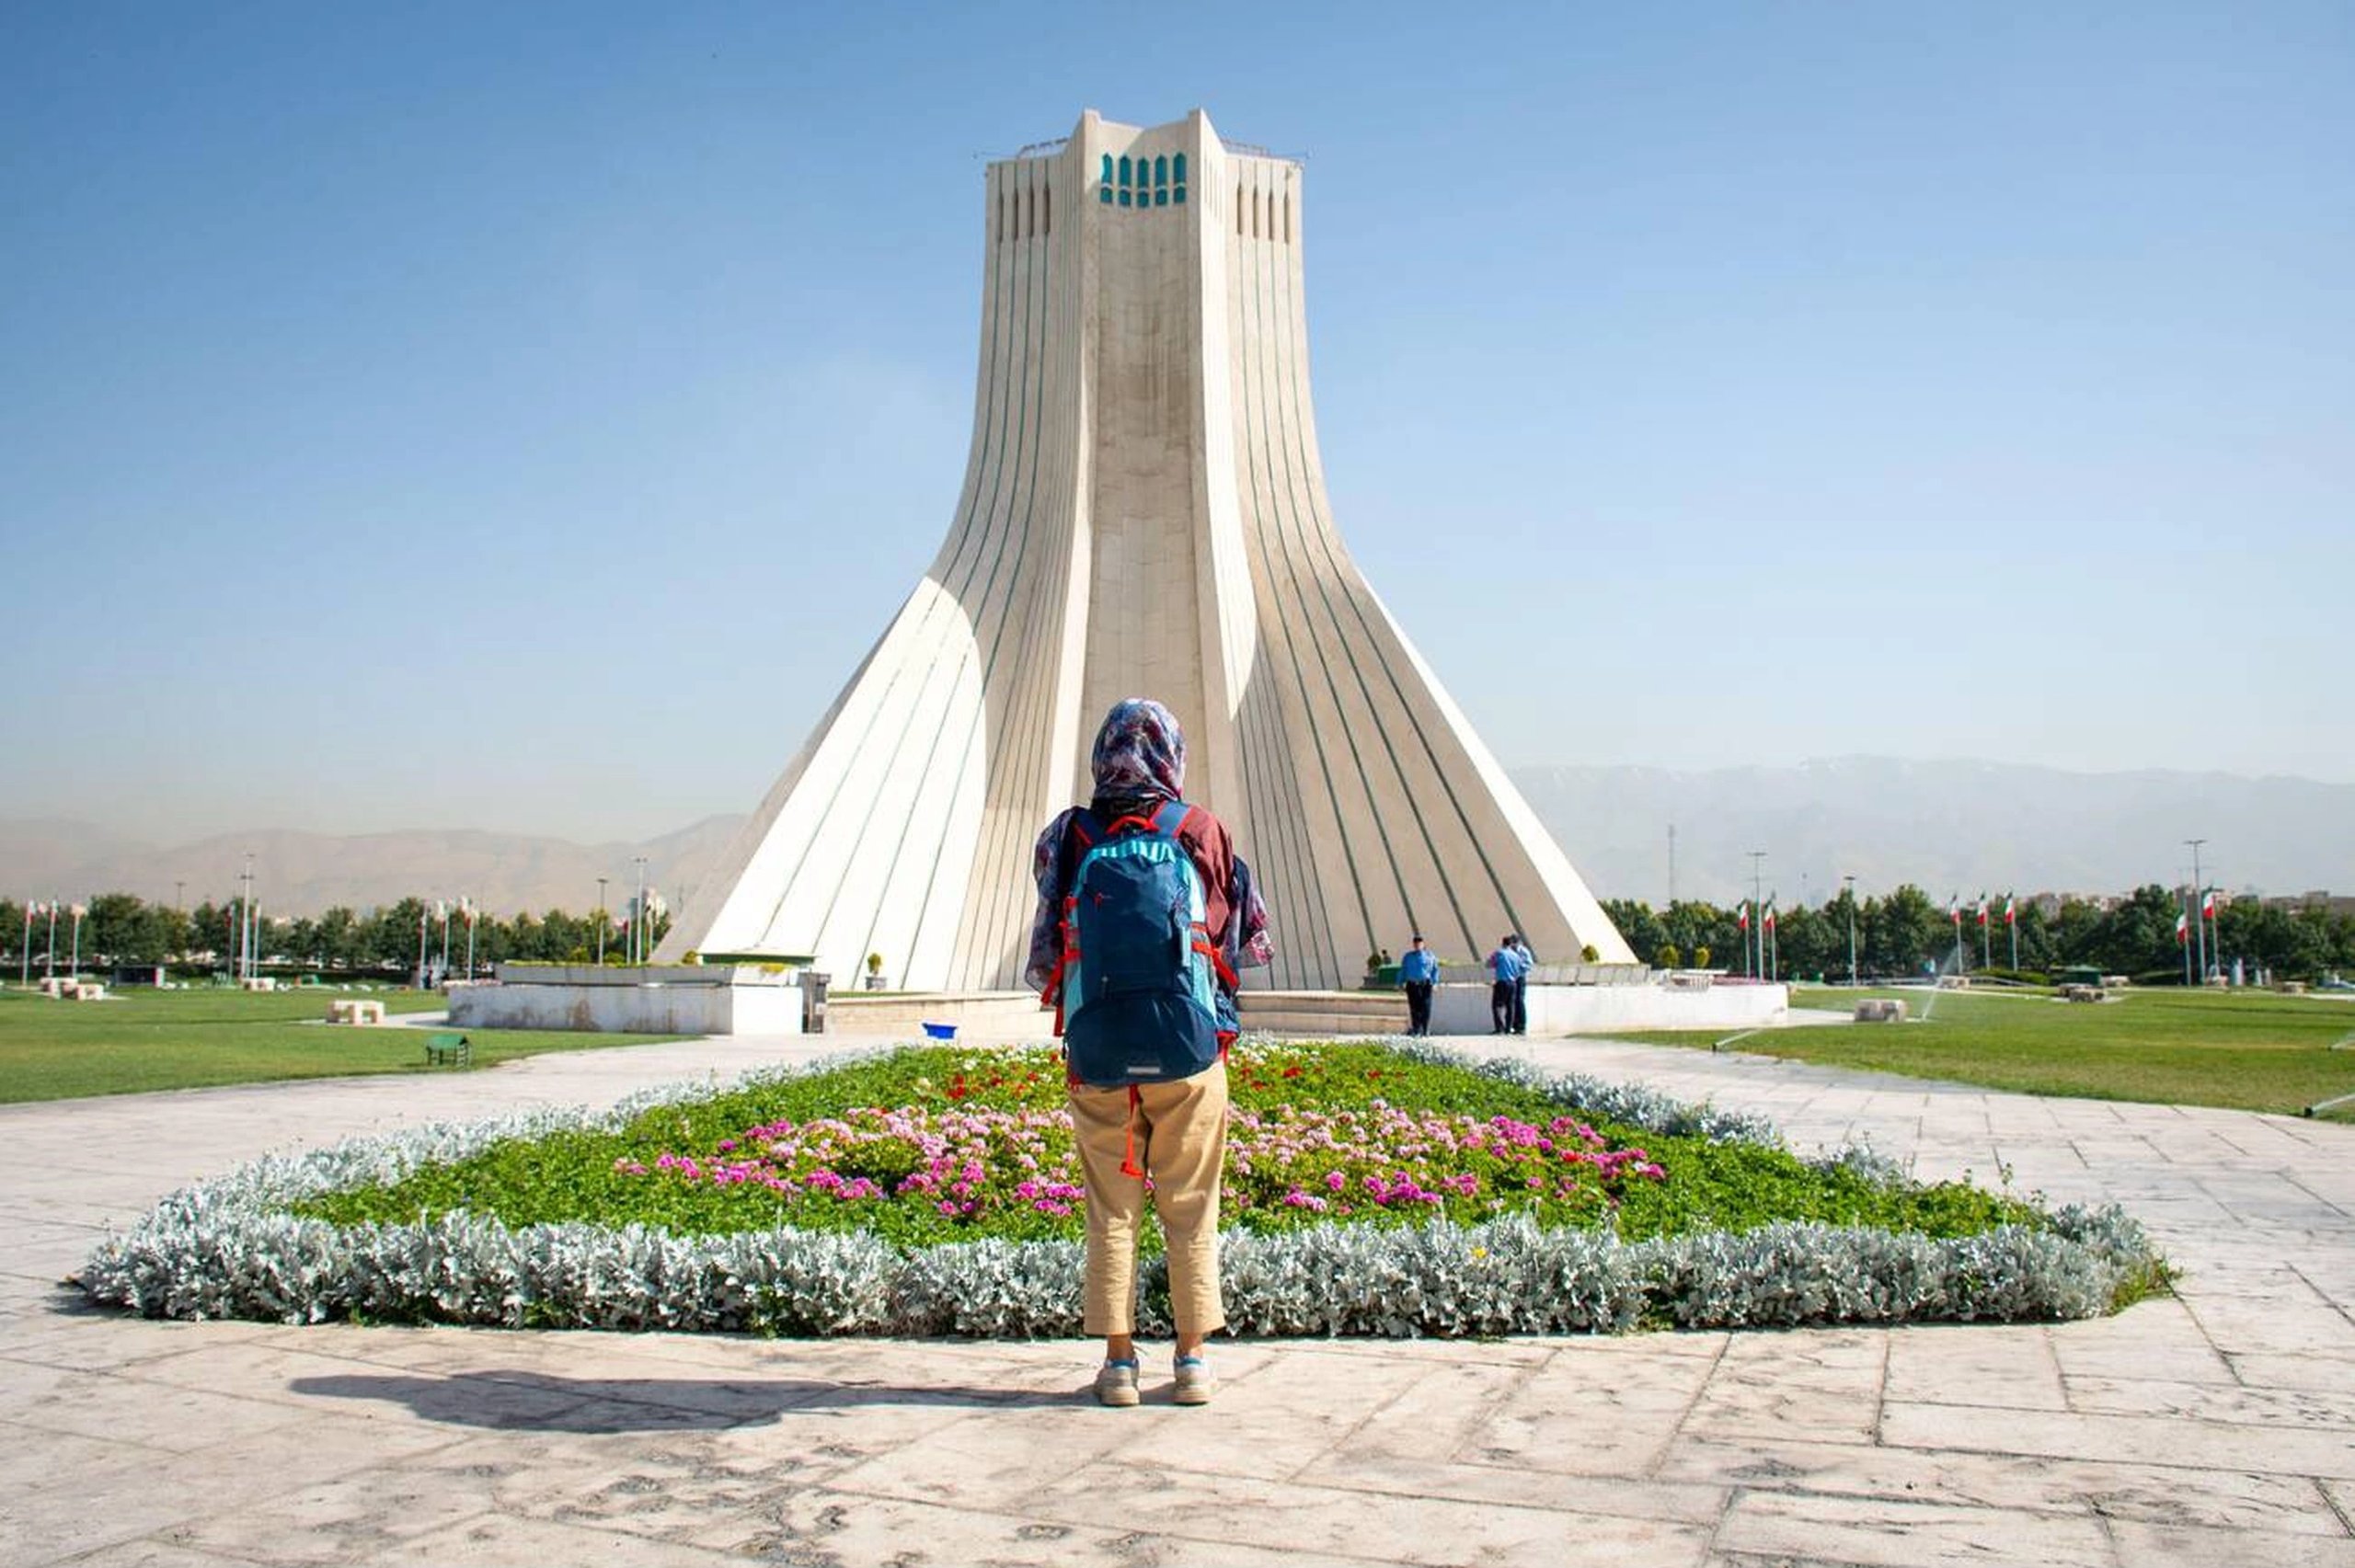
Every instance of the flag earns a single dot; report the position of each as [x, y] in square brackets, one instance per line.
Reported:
[1741, 915]
[1769, 919]
[1983, 911]
[2182, 928]
[1954, 912]
[2011, 914]
[2208, 905]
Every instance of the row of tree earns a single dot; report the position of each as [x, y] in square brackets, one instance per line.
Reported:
[121, 928]
[1902, 934]
[1906, 933]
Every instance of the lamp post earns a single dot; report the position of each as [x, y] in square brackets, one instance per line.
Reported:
[49, 958]
[424, 917]
[467, 908]
[1757, 916]
[73, 970]
[602, 922]
[1849, 892]
[441, 907]
[247, 928]
[638, 916]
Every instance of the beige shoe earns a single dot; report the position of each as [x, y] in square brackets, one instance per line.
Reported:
[1116, 1384]
[1196, 1381]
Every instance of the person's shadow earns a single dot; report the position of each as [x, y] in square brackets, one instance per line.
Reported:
[535, 1401]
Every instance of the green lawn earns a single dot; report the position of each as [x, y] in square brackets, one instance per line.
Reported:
[57, 1050]
[2248, 1050]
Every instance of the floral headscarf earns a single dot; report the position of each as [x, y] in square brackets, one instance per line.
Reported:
[1140, 753]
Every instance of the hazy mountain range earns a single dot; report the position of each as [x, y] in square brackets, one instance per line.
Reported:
[301, 874]
[1950, 827]
[1959, 827]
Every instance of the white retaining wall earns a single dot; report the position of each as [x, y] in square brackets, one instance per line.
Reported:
[1586, 1010]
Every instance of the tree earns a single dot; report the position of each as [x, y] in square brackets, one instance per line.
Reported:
[1643, 930]
[1804, 941]
[123, 928]
[211, 933]
[391, 937]
[1901, 932]
[2294, 945]
[336, 935]
[2137, 934]
[1692, 926]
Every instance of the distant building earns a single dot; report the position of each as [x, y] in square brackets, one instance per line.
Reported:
[2319, 900]
[2049, 904]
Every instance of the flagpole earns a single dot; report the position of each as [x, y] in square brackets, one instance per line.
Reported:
[2214, 962]
[2012, 924]
[2181, 920]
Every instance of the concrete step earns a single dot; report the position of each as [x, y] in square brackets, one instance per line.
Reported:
[1323, 1012]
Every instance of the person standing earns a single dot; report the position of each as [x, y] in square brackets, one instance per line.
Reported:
[1417, 971]
[1505, 970]
[1521, 984]
[1145, 1025]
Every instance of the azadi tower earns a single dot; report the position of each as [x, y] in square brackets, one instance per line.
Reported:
[1144, 514]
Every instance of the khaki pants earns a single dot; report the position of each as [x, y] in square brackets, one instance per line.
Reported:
[1179, 1131]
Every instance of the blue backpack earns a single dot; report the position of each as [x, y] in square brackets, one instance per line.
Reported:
[1140, 1000]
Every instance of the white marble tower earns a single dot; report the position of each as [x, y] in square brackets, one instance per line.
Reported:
[1144, 514]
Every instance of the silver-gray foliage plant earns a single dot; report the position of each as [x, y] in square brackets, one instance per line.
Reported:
[229, 1248]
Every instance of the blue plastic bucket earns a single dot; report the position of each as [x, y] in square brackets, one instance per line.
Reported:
[941, 1031]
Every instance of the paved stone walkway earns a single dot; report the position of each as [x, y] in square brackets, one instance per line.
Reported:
[2215, 1427]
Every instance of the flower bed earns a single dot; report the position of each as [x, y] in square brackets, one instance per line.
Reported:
[1369, 1190]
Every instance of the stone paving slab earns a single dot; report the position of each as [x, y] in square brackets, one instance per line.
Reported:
[2215, 1426]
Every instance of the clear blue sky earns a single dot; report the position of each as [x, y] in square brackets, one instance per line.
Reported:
[488, 416]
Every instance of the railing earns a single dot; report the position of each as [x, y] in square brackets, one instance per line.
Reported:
[1247, 149]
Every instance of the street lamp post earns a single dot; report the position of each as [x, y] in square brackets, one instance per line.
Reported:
[2198, 916]
[1849, 892]
[1757, 943]
[247, 929]
[602, 922]
[637, 917]
[424, 918]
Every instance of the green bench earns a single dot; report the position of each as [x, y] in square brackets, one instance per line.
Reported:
[444, 1049]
